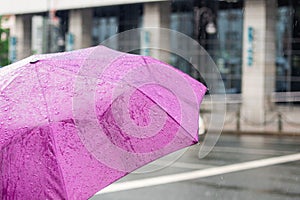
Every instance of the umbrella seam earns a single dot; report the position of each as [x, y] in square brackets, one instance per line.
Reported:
[166, 112]
[52, 65]
[58, 165]
[145, 61]
[190, 135]
[43, 93]
[17, 137]
[11, 139]
[10, 82]
[49, 121]
[6, 143]
[60, 55]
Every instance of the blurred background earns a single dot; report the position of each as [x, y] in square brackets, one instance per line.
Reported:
[254, 43]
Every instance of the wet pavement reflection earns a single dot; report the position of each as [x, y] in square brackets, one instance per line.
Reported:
[274, 182]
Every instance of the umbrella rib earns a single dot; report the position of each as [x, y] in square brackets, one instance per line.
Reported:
[155, 80]
[159, 107]
[3, 86]
[13, 138]
[49, 121]
[43, 93]
[58, 165]
[60, 68]
[146, 62]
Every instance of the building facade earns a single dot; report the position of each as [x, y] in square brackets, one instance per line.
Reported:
[254, 43]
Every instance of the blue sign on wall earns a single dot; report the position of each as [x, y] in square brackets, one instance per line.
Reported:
[12, 49]
[69, 41]
[250, 32]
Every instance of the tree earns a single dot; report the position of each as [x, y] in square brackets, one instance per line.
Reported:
[4, 44]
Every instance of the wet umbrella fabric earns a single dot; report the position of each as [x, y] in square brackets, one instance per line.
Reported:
[72, 123]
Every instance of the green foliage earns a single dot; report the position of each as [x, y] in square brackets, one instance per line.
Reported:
[4, 45]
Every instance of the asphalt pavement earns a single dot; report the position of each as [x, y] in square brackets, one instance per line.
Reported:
[239, 167]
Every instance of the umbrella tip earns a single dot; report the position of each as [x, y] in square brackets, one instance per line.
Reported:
[34, 60]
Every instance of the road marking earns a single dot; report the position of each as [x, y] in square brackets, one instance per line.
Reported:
[250, 151]
[181, 165]
[129, 185]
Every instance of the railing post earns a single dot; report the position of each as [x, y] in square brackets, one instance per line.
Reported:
[279, 122]
[238, 116]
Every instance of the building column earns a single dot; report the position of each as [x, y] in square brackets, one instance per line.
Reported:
[156, 15]
[259, 54]
[80, 26]
[22, 32]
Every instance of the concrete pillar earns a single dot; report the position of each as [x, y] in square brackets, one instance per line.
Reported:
[156, 15]
[80, 25]
[259, 53]
[22, 32]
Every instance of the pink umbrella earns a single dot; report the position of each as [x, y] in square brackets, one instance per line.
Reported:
[72, 123]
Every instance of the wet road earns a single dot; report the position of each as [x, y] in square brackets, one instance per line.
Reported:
[239, 167]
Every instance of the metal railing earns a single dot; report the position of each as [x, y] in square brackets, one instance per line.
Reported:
[282, 105]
